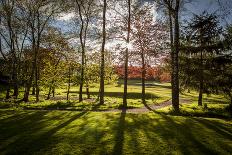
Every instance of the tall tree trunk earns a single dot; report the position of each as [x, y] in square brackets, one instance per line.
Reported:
[87, 91]
[231, 99]
[26, 93]
[201, 71]
[201, 82]
[49, 93]
[69, 82]
[36, 83]
[126, 56]
[102, 75]
[33, 90]
[34, 66]
[175, 63]
[7, 91]
[81, 84]
[16, 91]
[53, 92]
[143, 78]
[83, 36]
[15, 81]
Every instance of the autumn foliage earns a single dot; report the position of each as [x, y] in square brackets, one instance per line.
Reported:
[153, 73]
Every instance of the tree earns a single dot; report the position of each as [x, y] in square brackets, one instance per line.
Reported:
[173, 8]
[9, 17]
[126, 54]
[148, 37]
[38, 14]
[202, 31]
[102, 70]
[85, 12]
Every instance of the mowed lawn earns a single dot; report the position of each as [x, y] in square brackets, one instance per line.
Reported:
[68, 132]
[78, 130]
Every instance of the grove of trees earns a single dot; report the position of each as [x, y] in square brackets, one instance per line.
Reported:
[105, 40]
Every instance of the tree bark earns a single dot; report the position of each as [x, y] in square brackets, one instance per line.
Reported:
[7, 91]
[143, 78]
[34, 65]
[102, 75]
[82, 54]
[53, 92]
[49, 93]
[37, 85]
[15, 81]
[126, 56]
[87, 91]
[201, 82]
[201, 72]
[33, 90]
[83, 36]
[69, 82]
[26, 93]
[175, 61]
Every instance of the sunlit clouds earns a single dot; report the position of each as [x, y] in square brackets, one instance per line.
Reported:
[66, 16]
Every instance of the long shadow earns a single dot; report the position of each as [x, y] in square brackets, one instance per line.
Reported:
[147, 106]
[38, 142]
[147, 84]
[186, 134]
[209, 114]
[216, 127]
[119, 137]
[131, 95]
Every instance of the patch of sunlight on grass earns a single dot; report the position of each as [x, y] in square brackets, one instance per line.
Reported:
[61, 132]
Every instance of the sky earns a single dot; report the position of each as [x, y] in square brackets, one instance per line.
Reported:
[196, 7]
[210, 6]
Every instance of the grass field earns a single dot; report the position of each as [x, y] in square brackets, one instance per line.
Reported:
[195, 130]
[155, 93]
[64, 132]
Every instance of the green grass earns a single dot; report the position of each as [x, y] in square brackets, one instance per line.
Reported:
[65, 132]
[155, 93]
[195, 130]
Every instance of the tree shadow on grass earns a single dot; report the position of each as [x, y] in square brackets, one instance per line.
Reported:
[119, 136]
[164, 134]
[184, 132]
[130, 95]
[25, 144]
[209, 113]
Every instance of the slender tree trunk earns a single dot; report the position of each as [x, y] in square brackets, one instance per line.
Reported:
[7, 91]
[81, 83]
[49, 93]
[175, 63]
[201, 82]
[36, 83]
[201, 72]
[33, 90]
[53, 92]
[16, 91]
[69, 82]
[82, 40]
[26, 93]
[34, 65]
[102, 75]
[15, 81]
[87, 91]
[143, 78]
[126, 56]
[200, 95]
[231, 99]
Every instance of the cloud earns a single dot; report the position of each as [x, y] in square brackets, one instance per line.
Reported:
[66, 16]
